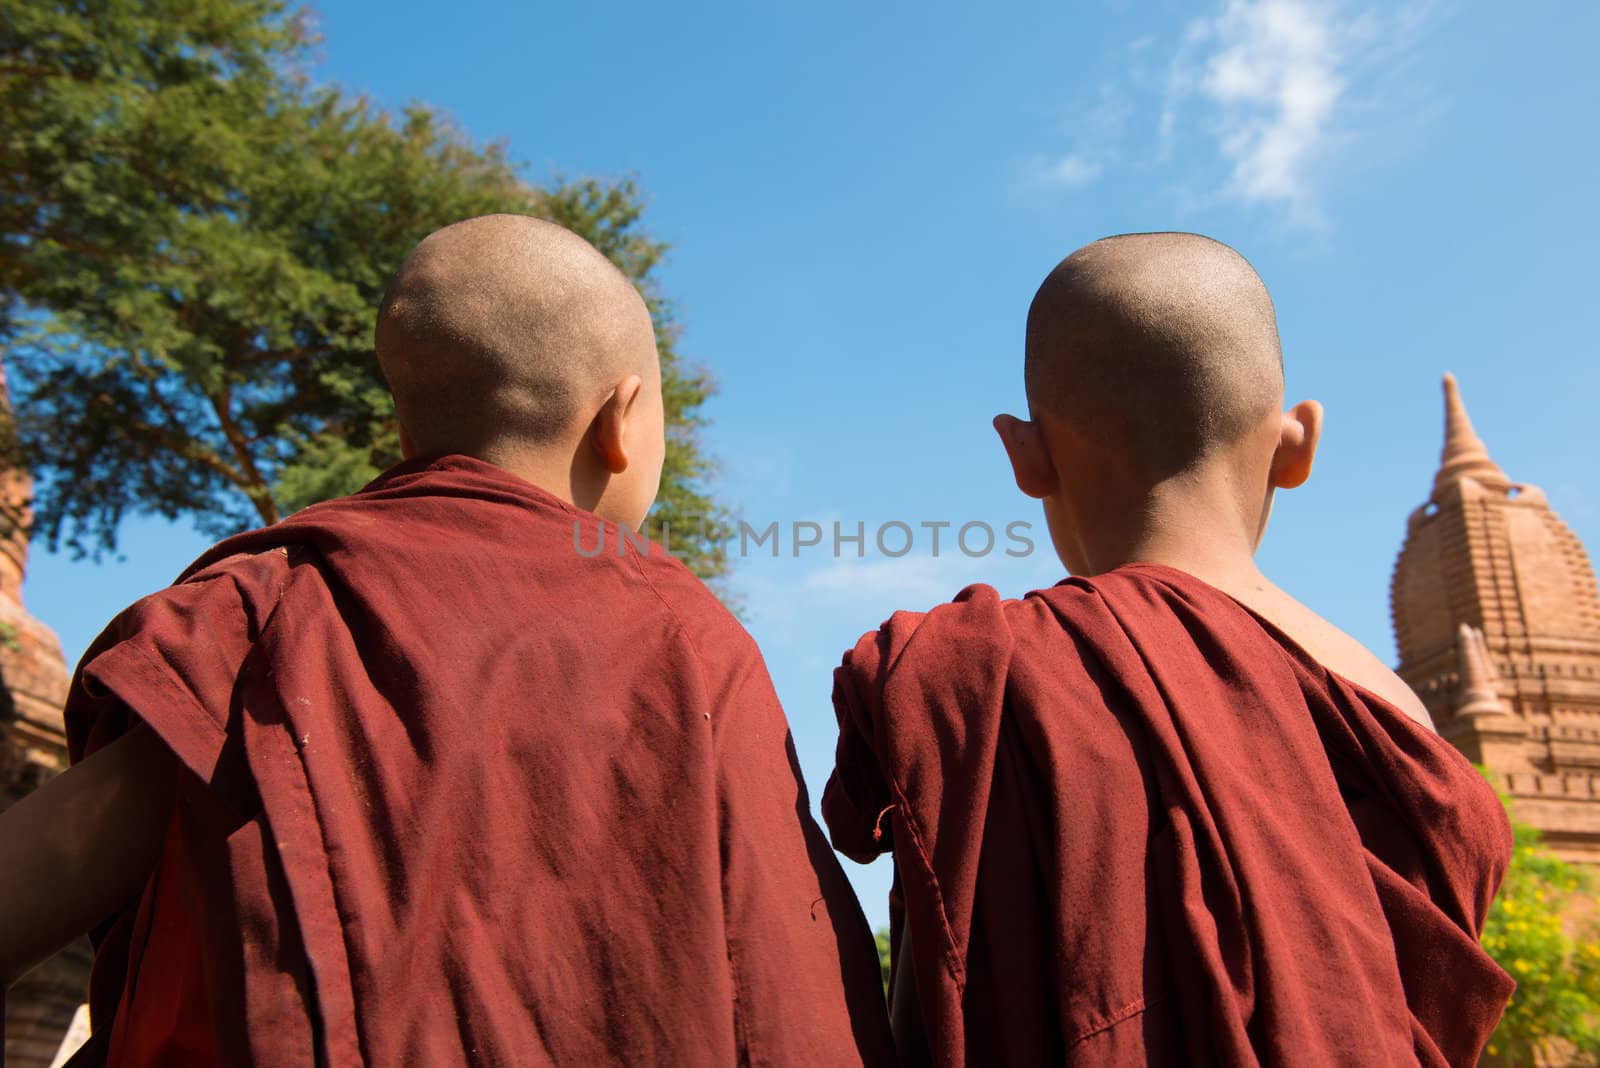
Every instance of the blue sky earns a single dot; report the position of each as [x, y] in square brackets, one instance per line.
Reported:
[861, 200]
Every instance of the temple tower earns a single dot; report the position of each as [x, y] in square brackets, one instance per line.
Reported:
[33, 747]
[1497, 617]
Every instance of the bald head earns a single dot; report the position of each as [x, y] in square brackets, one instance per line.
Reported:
[505, 329]
[1163, 346]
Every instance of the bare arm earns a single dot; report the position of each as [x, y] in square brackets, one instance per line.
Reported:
[80, 846]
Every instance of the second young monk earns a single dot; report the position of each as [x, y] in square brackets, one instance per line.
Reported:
[1162, 813]
[408, 779]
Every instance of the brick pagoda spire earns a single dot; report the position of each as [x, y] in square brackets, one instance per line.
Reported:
[1497, 617]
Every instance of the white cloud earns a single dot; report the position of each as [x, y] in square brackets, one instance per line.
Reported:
[1274, 83]
[919, 580]
[1071, 172]
[1094, 130]
[1271, 69]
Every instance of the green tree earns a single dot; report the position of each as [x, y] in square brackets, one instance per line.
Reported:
[1530, 933]
[881, 936]
[195, 242]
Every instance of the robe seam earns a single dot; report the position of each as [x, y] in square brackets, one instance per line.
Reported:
[1134, 1008]
[950, 958]
[952, 961]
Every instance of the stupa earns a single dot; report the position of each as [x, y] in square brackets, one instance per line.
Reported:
[1497, 618]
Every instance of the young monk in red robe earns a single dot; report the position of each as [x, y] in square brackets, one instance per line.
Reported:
[408, 779]
[1162, 813]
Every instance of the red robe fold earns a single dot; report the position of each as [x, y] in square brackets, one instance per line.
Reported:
[456, 792]
[1135, 823]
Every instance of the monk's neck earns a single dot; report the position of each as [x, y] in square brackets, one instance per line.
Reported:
[1197, 527]
[556, 471]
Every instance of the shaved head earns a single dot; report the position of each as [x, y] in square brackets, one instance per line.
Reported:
[507, 329]
[1163, 346]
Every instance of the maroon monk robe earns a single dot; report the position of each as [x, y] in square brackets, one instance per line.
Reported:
[457, 793]
[1135, 823]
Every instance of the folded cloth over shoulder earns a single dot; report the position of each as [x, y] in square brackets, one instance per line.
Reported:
[1134, 823]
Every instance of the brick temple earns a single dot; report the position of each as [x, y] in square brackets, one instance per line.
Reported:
[1497, 618]
[33, 747]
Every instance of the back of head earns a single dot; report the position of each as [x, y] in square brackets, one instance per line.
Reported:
[1162, 347]
[502, 330]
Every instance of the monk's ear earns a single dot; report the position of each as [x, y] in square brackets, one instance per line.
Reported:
[1030, 457]
[1298, 435]
[608, 434]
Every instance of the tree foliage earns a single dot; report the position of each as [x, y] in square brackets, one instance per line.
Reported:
[194, 244]
[1541, 929]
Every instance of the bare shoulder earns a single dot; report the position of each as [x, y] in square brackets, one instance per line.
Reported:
[1336, 650]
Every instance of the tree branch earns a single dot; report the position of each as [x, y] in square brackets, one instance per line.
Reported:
[255, 487]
